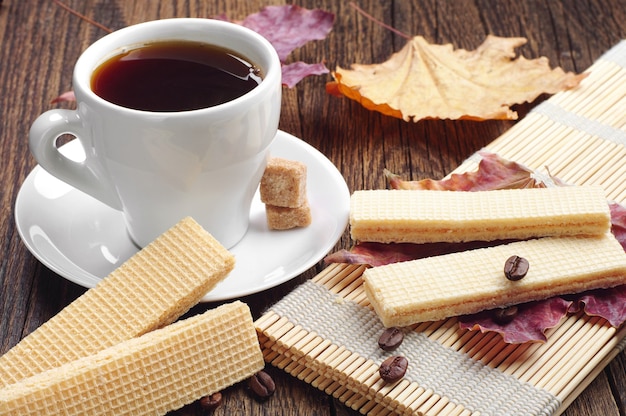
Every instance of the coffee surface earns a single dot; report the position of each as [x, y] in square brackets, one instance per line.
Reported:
[174, 76]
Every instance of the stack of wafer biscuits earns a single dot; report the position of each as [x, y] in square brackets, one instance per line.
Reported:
[117, 337]
[566, 239]
[148, 375]
[283, 191]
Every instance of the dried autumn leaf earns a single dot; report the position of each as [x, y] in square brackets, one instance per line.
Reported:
[296, 71]
[618, 222]
[67, 96]
[494, 172]
[426, 80]
[379, 254]
[609, 304]
[530, 324]
[289, 27]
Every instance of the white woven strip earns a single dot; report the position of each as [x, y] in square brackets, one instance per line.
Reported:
[580, 123]
[617, 54]
[447, 372]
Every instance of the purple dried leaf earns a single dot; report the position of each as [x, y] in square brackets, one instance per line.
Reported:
[295, 72]
[530, 324]
[67, 96]
[290, 27]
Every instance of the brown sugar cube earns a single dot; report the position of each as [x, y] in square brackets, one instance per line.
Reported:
[284, 218]
[284, 183]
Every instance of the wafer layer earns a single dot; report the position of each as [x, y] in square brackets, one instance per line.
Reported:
[149, 375]
[152, 289]
[418, 216]
[467, 282]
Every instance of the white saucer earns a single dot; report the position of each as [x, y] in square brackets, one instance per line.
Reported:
[83, 240]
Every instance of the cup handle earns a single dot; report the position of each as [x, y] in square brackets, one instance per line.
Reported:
[84, 175]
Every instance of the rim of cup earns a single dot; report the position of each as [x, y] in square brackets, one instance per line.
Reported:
[192, 29]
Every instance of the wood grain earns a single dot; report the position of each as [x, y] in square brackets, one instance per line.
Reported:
[40, 41]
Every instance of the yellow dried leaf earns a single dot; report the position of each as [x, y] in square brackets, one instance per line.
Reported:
[435, 81]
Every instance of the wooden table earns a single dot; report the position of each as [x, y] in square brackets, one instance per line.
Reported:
[40, 41]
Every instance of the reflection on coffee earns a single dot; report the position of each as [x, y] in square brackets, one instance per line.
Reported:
[174, 76]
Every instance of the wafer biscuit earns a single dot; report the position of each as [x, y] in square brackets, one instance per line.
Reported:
[149, 375]
[418, 216]
[467, 282]
[151, 289]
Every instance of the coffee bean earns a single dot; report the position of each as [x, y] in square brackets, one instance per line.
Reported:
[262, 385]
[211, 402]
[503, 316]
[390, 339]
[515, 267]
[393, 368]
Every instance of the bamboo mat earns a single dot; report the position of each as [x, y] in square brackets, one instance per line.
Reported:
[325, 332]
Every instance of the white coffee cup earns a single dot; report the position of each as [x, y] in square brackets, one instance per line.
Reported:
[158, 167]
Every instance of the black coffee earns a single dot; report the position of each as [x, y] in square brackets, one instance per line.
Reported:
[174, 76]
